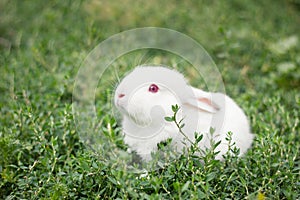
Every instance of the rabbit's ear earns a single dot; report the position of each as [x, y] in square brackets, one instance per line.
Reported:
[203, 101]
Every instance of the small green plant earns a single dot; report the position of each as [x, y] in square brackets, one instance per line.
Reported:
[179, 124]
[194, 147]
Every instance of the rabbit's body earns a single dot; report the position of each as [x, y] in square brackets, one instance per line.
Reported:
[229, 117]
[145, 98]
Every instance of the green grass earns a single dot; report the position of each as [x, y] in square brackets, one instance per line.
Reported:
[42, 44]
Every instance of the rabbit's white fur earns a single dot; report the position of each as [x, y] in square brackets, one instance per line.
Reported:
[143, 112]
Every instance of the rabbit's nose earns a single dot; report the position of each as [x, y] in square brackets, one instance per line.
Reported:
[121, 95]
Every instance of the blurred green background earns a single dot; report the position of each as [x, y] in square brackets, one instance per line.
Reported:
[255, 45]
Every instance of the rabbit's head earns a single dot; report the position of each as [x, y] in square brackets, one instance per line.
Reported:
[147, 93]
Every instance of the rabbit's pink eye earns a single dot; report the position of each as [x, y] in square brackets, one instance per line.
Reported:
[153, 88]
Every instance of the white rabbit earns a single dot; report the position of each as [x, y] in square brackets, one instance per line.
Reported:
[145, 97]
